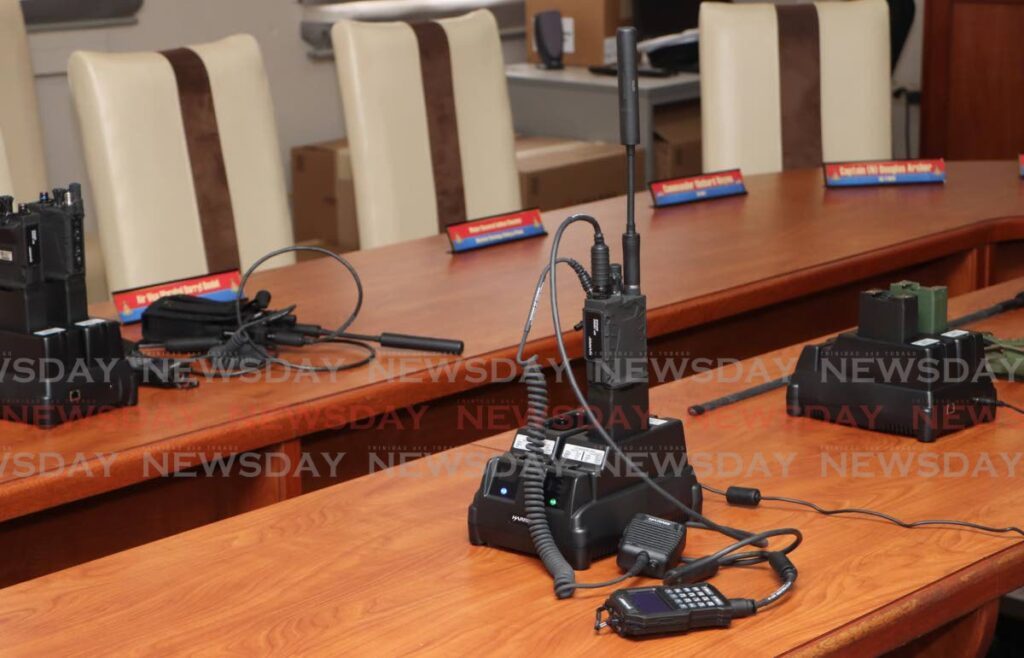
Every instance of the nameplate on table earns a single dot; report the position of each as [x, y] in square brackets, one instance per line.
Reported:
[495, 230]
[1020, 164]
[673, 191]
[221, 287]
[884, 172]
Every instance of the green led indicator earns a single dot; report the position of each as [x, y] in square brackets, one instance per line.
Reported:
[552, 501]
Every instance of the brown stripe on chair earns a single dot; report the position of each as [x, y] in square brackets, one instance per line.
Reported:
[442, 125]
[799, 85]
[209, 174]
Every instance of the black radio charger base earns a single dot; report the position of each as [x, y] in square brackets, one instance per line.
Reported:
[590, 495]
[76, 371]
[901, 372]
[61, 364]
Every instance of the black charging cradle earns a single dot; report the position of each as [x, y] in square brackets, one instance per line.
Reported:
[889, 377]
[64, 374]
[591, 496]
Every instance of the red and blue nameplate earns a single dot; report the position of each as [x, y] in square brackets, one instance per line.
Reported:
[1020, 163]
[885, 172]
[498, 229]
[222, 287]
[673, 191]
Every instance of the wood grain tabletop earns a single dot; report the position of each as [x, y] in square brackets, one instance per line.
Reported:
[382, 565]
[788, 238]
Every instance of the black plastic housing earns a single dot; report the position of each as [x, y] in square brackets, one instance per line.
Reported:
[661, 540]
[63, 374]
[888, 378]
[594, 498]
[615, 349]
[42, 262]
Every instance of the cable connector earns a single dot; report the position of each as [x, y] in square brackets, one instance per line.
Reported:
[782, 565]
[698, 571]
[743, 608]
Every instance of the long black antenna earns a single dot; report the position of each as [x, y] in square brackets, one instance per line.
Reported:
[629, 129]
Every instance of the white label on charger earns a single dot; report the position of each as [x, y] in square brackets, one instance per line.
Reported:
[583, 454]
[925, 342]
[956, 333]
[49, 332]
[656, 421]
[522, 442]
[90, 322]
[7, 256]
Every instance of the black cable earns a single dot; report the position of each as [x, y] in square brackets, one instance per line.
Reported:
[533, 468]
[634, 571]
[776, 595]
[704, 568]
[881, 515]
[336, 336]
[1000, 403]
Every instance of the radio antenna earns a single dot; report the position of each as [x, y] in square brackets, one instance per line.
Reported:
[629, 130]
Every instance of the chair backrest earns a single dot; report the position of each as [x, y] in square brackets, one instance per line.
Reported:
[429, 124]
[183, 157]
[6, 183]
[19, 108]
[790, 86]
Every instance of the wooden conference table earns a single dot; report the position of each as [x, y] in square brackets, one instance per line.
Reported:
[381, 565]
[729, 278]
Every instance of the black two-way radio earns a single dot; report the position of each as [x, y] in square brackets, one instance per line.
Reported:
[564, 489]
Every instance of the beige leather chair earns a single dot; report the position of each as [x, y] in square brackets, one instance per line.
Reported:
[151, 208]
[19, 108]
[395, 146]
[761, 116]
[6, 183]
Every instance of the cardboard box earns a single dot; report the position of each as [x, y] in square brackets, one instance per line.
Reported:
[553, 173]
[323, 196]
[677, 140]
[588, 24]
[557, 173]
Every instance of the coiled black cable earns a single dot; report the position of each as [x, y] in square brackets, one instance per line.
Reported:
[533, 467]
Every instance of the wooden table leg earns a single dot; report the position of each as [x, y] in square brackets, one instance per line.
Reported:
[969, 636]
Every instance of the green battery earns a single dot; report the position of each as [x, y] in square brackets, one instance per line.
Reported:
[932, 302]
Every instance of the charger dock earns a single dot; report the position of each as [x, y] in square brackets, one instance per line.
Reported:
[900, 372]
[590, 498]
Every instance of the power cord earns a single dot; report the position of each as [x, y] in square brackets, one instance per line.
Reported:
[751, 497]
[999, 403]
